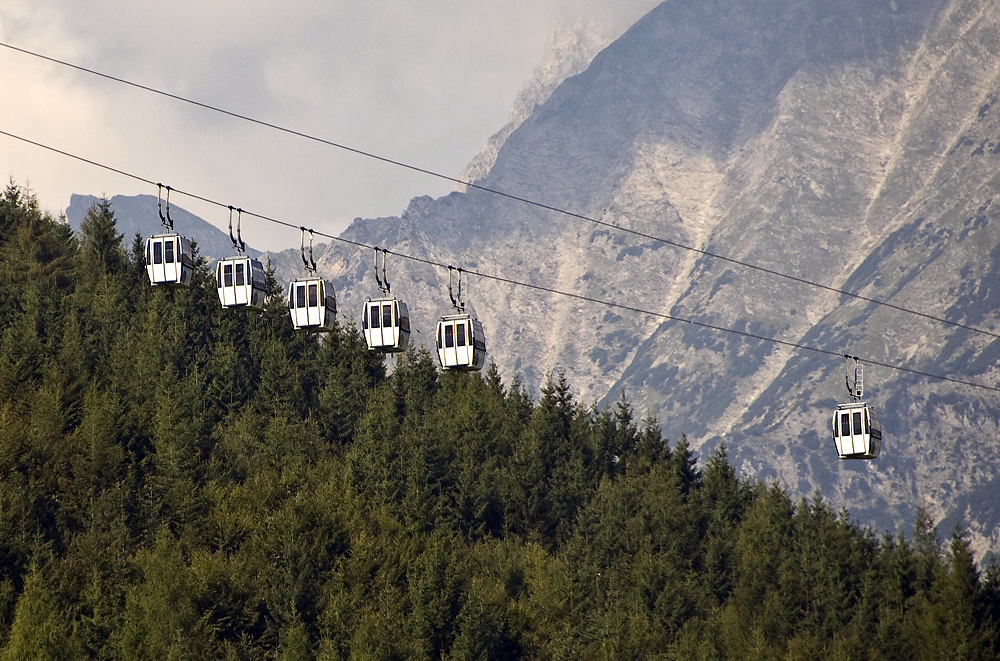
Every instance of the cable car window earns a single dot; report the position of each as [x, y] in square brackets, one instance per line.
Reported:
[845, 424]
[439, 336]
[868, 423]
[461, 334]
[449, 336]
[313, 293]
[300, 296]
[240, 279]
[857, 422]
[158, 252]
[168, 247]
[227, 275]
[836, 427]
[387, 315]
[374, 315]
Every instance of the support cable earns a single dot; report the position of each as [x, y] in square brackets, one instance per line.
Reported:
[509, 196]
[516, 283]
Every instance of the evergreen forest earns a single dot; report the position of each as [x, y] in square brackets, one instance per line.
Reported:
[179, 481]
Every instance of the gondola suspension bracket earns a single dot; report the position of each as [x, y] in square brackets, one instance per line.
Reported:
[309, 263]
[165, 220]
[855, 385]
[456, 293]
[238, 243]
[383, 282]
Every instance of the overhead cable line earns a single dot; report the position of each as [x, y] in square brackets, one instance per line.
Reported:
[509, 196]
[510, 281]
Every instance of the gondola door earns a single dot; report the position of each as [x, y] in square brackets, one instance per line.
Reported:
[386, 325]
[168, 260]
[460, 343]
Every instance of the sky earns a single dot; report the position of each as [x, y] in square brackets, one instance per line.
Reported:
[423, 83]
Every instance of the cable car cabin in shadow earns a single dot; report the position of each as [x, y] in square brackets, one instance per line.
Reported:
[169, 260]
[385, 321]
[857, 431]
[312, 301]
[461, 344]
[386, 325]
[240, 281]
[312, 304]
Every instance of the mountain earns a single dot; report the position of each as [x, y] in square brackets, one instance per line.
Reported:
[138, 214]
[852, 144]
[569, 53]
[849, 143]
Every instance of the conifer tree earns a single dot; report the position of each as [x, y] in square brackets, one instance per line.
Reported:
[39, 630]
[101, 251]
[723, 503]
[161, 620]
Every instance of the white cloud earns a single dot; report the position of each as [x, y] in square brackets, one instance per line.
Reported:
[422, 83]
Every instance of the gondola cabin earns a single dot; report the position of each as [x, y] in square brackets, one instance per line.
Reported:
[312, 304]
[461, 344]
[240, 281]
[386, 325]
[169, 260]
[857, 431]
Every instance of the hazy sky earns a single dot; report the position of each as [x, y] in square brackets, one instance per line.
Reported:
[424, 83]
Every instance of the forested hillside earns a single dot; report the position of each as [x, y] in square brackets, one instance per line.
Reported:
[183, 482]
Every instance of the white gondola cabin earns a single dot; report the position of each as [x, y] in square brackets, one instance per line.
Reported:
[461, 344]
[312, 304]
[169, 260]
[386, 325]
[240, 281]
[857, 431]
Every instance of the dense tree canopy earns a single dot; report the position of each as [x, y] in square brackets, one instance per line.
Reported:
[183, 482]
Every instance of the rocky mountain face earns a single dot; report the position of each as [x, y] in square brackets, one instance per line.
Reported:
[850, 143]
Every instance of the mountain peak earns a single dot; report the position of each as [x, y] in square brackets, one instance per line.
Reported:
[569, 52]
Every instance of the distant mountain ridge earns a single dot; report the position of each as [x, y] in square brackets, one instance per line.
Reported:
[138, 214]
[846, 142]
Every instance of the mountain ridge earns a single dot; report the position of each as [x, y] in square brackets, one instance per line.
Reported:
[138, 214]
